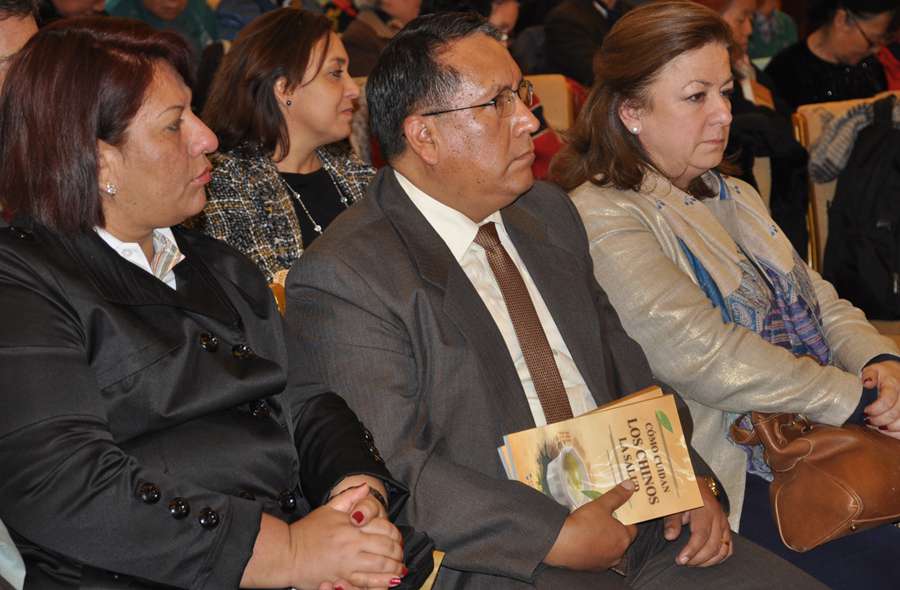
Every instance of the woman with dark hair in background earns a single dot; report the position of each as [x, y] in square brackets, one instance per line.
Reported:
[281, 104]
[148, 436]
[836, 61]
[706, 282]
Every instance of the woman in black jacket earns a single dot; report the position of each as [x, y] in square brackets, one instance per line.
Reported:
[147, 435]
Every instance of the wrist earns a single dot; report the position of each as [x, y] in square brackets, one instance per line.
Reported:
[711, 487]
[377, 488]
[271, 562]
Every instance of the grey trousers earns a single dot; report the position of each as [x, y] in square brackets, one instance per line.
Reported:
[750, 568]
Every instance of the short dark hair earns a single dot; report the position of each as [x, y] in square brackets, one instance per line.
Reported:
[633, 53]
[75, 82]
[241, 106]
[409, 75]
[18, 8]
[821, 12]
[482, 7]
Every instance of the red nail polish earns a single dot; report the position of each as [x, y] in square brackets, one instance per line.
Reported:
[338, 588]
[394, 582]
[358, 517]
[883, 427]
[404, 572]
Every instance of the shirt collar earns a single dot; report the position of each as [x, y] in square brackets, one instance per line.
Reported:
[454, 228]
[165, 249]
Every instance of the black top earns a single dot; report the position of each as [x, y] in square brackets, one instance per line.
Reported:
[321, 198]
[803, 78]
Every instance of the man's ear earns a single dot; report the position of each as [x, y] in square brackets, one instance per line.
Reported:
[421, 138]
[630, 114]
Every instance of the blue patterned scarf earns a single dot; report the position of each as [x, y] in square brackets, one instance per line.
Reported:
[747, 268]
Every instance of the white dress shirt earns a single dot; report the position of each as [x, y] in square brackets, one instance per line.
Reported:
[165, 253]
[458, 232]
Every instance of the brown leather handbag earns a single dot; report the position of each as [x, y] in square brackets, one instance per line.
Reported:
[829, 481]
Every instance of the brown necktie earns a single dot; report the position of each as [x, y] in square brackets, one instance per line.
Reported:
[532, 339]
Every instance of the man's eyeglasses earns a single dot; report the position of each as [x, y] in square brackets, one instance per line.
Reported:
[871, 44]
[504, 102]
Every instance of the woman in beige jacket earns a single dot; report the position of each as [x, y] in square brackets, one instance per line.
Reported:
[700, 275]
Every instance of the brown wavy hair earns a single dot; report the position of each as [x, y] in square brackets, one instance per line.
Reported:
[638, 47]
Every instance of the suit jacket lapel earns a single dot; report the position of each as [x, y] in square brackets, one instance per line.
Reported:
[462, 305]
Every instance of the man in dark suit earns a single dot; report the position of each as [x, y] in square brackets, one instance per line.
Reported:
[456, 304]
[575, 30]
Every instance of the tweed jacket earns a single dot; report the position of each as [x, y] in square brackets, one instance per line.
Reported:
[143, 430]
[250, 208]
[716, 367]
[401, 332]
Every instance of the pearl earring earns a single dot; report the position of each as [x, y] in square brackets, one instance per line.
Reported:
[111, 189]
[635, 130]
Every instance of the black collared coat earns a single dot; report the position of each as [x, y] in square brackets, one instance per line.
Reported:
[142, 429]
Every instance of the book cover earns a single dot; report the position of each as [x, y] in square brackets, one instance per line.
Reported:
[637, 437]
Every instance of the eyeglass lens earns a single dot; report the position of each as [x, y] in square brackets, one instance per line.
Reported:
[506, 101]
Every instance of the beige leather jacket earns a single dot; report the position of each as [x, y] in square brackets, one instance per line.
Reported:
[716, 367]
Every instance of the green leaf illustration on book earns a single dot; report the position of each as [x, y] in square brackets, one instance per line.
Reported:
[592, 494]
[664, 420]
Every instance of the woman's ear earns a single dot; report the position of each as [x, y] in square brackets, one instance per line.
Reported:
[109, 165]
[282, 92]
[630, 114]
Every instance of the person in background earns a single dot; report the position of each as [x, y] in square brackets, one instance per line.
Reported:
[148, 437]
[773, 30]
[574, 31]
[836, 61]
[51, 10]
[234, 15]
[192, 19]
[377, 22]
[703, 279]
[503, 17]
[281, 105]
[17, 25]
